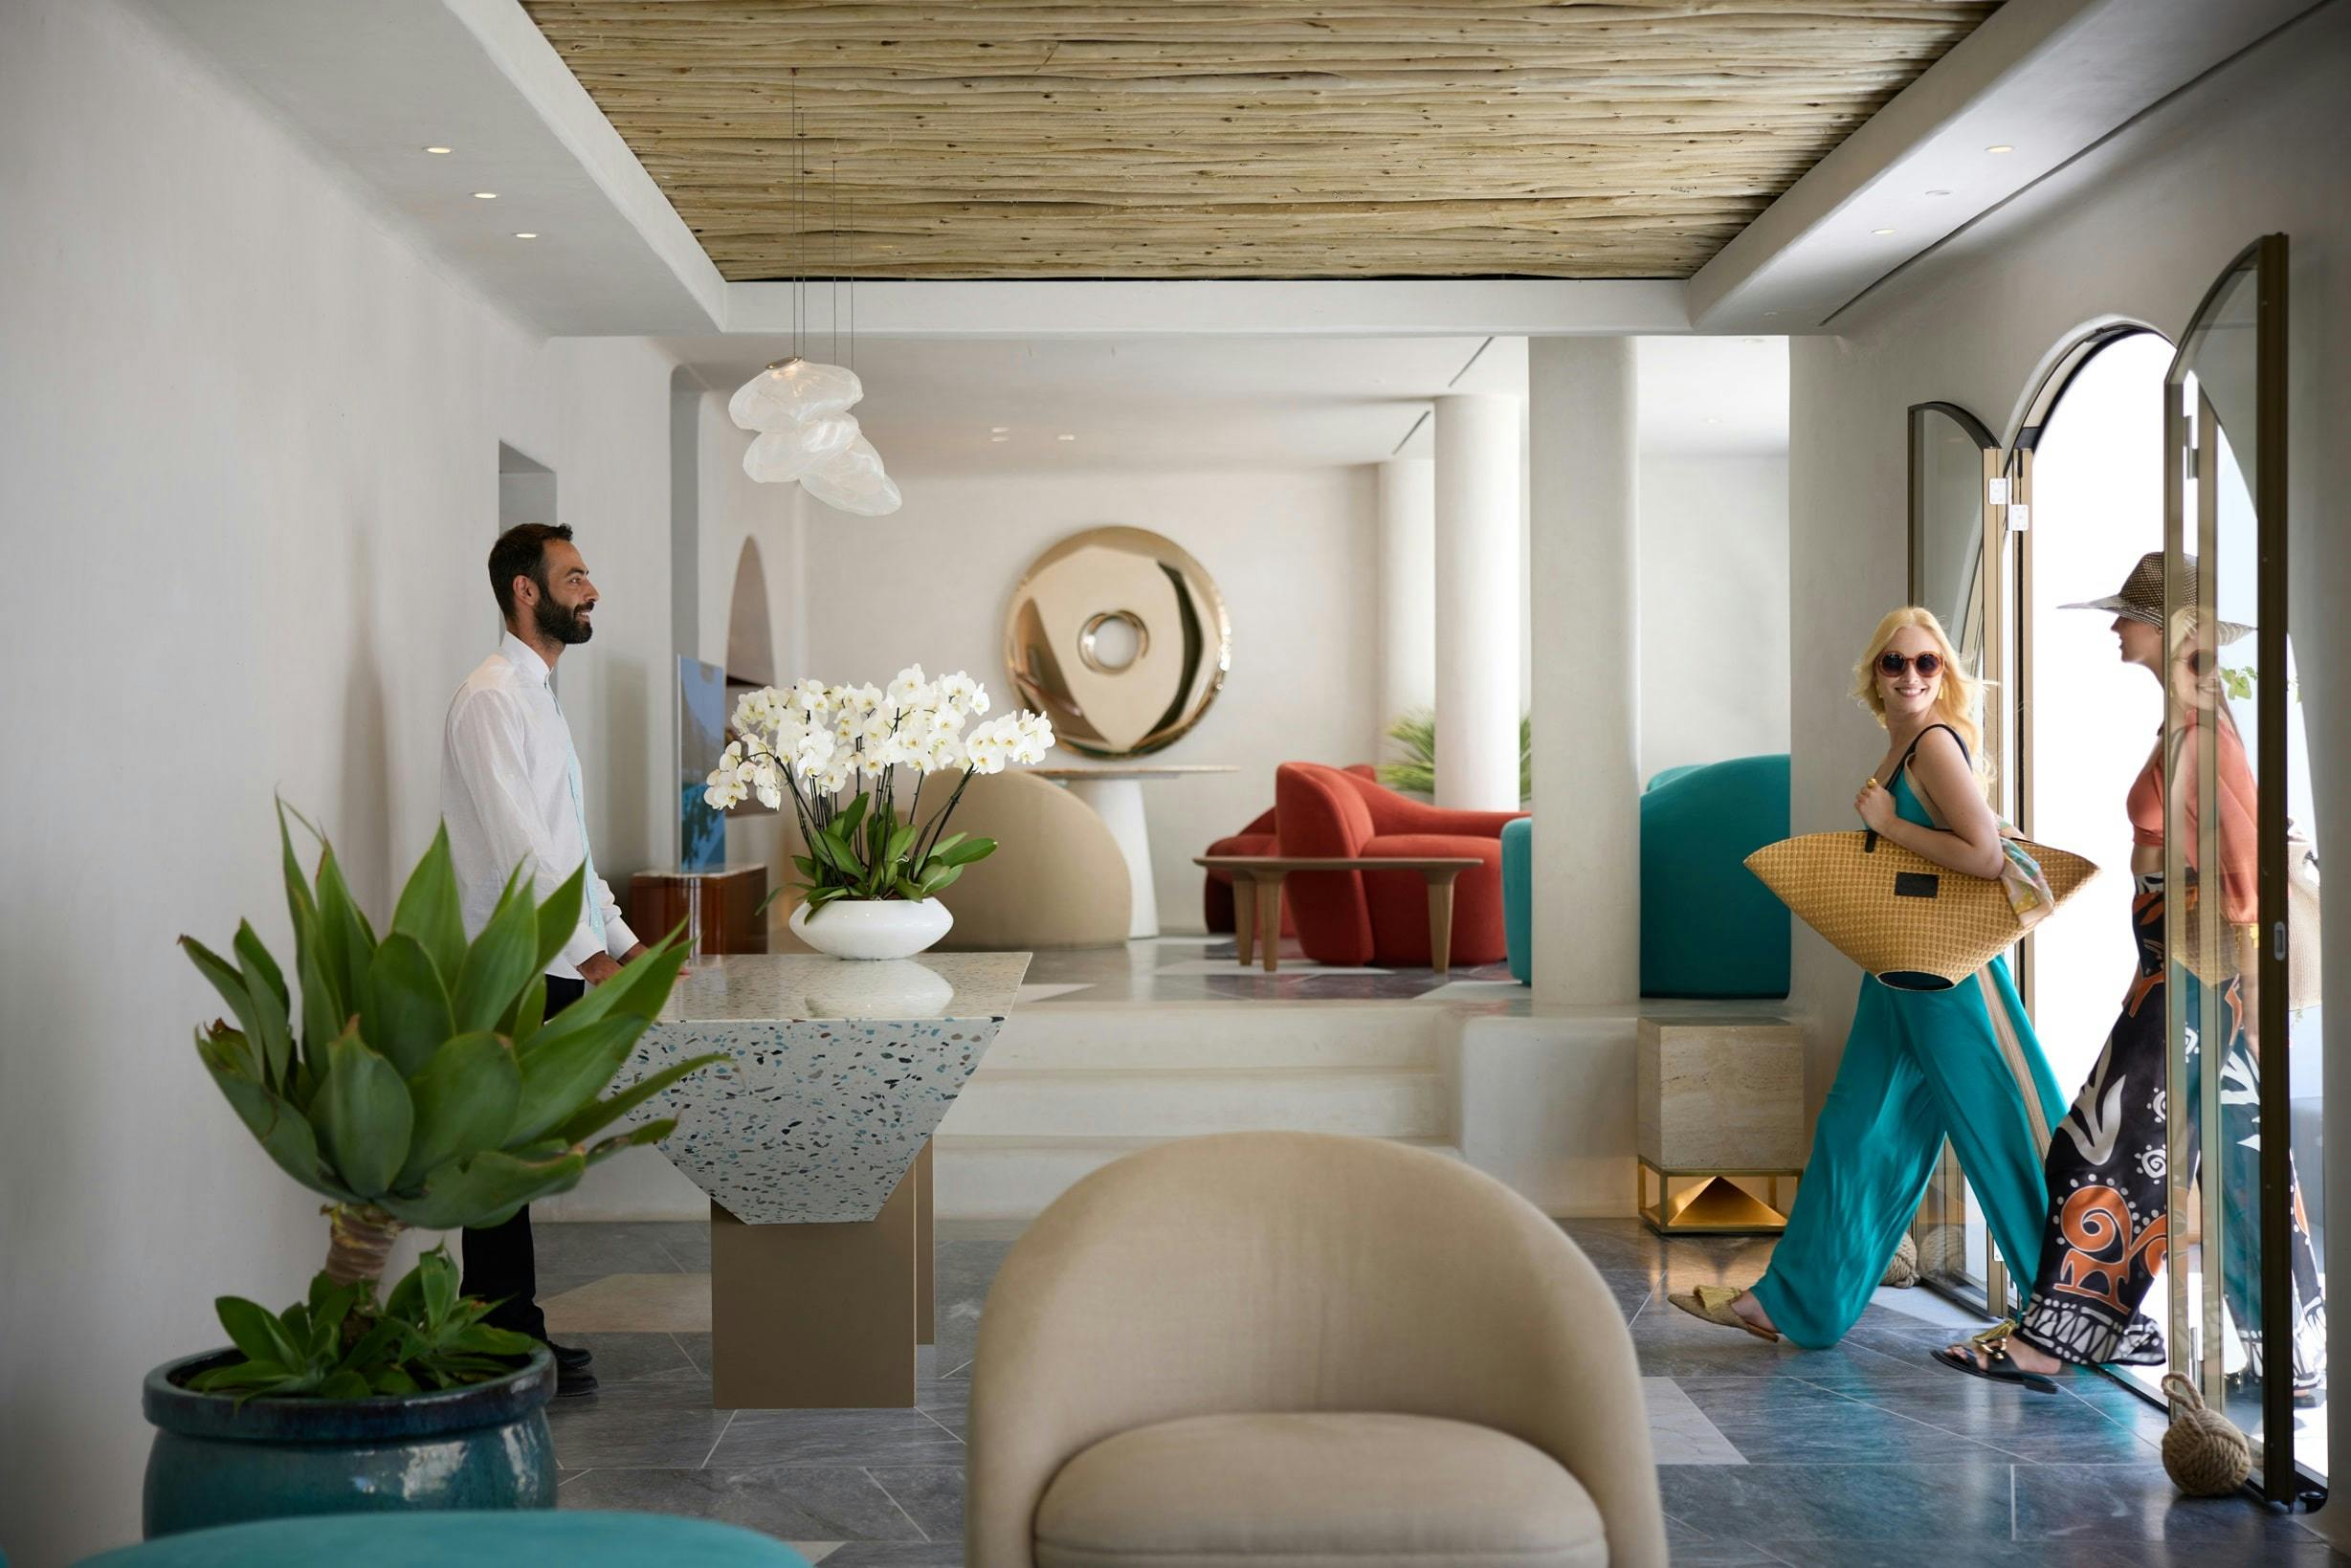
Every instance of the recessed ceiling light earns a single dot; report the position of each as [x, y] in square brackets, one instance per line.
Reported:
[999, 429]
[1712, 420]
[1939, 192]
[525, 234]
[440, 152]
[1000, 438]
[1065, 438]
[485, 195]
[2000, 146]
[1881, 231]
[1770, 313]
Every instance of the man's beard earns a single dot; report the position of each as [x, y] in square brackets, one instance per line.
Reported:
[561, 623]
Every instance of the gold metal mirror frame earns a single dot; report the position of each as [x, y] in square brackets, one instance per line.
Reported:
[1182, 644]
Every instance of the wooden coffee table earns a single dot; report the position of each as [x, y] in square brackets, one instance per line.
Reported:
[1257, 895]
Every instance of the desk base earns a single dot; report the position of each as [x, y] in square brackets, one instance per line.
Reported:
[822, 1317]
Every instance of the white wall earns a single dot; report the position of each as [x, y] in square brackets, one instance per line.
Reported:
[1714, 607]
[2137, 230]
[1294, 554]
[248, 477]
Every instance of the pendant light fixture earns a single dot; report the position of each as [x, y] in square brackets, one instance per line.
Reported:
[799, 407]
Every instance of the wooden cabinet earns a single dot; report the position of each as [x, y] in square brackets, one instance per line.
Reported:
[732, 921]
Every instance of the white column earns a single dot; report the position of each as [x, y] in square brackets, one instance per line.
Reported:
[1586, 672]
[1407, 587]
[1478, 602]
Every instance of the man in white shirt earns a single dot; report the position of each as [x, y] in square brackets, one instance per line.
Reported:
[511, 794]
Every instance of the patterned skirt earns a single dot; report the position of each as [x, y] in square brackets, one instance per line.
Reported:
[2109, 1195]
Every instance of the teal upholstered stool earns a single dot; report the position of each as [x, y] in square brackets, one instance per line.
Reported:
[1519, 897]
[1708, 927]
[499, 1539]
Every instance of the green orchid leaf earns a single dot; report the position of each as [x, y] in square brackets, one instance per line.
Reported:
[429, 910]
[965, 852]
[598, 1114]
[404, 1011]
[560, 917]
[940, 876]
[363, 1115]
[465, 1100]
[500, 963]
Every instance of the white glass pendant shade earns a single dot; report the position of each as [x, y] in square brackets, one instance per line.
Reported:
[852, 481]
[794, 393]
[780, 457]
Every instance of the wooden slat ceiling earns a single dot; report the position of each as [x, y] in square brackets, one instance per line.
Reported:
[1237, 138]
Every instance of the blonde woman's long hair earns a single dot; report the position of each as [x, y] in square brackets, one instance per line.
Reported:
[1959, 702]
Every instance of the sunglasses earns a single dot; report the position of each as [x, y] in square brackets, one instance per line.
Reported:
[1891, 664]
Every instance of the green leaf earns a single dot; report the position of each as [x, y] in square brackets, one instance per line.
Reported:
[485, 1190]
[639, 990]
[229, 981]
[429, 910]
[300, 907]
[560, 915]
[635, 1138]
[852, 814]
[498, 965]
[482, 1339]
[966, 852]
[326, 1011]
[464, 1100]
[255, 1331]
[283, 1133]
[391, 1380]
[529, 1012]
[597, 1114]
[403, 1009]
[938, 877]
[343, 931]
[268, 985]
[344, 1385]
[560, 1076]
[363, 1115]
[437, 1277]
[224, 1050]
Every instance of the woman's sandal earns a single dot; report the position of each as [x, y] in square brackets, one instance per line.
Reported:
[1997, 1366]
[1713, 1303]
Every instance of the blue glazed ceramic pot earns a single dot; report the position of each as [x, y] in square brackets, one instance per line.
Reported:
[485, 1445]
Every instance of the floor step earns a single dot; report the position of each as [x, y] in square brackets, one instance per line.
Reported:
[1372, 1102]
[1178, 1036]
[983, 1177]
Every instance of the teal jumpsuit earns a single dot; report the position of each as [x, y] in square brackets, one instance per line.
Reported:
[1918, 1067]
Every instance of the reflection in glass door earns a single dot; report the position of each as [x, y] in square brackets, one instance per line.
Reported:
[2245, 1309]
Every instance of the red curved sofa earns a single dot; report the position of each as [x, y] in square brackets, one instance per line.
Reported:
[1352, 918]
[1262, 836]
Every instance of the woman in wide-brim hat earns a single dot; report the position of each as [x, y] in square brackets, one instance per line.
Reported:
[2108, 1217]
[1919, 1066]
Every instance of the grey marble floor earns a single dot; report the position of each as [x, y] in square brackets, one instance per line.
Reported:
[1862, 1454]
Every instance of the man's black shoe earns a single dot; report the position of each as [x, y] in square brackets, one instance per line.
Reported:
[572, 1357]
[571, 1382]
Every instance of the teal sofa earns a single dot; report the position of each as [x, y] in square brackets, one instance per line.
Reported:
[1708, 927]
[504, 1539]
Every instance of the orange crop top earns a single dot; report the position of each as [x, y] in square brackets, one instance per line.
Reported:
[2240, 836]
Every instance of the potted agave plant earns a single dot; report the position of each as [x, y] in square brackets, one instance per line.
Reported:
[410, 1083]
[844, 757]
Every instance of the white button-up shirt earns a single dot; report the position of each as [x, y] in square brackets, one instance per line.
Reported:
[509, 793]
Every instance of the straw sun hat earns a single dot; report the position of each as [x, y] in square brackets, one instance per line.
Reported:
[2141, 596]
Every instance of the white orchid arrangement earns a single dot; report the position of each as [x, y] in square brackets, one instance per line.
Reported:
[841, 754]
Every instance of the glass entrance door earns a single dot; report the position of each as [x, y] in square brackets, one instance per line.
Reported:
[2244, 1302]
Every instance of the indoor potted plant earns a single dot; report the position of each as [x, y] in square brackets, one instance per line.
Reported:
[842, 754]
[409, 1084]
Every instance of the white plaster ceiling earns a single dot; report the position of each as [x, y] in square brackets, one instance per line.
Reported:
[1239, 403]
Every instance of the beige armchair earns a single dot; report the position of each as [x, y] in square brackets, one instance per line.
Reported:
[1303, 1350]
[1057, 879]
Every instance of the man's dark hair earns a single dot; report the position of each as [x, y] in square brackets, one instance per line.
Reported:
[522, 550]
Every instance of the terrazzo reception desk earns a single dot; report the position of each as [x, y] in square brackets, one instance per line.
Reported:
[814, 1143]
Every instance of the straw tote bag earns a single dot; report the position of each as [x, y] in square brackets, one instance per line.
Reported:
[2303, 929]
[1913, 924]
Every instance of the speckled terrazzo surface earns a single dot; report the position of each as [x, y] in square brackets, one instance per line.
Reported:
[838, 1072]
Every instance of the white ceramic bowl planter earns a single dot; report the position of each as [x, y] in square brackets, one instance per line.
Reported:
[872, 928]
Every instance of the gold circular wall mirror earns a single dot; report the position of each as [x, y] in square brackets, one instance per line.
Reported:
[1121, 638]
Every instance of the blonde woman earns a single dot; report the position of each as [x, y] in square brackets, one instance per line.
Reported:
[1919, 1065]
